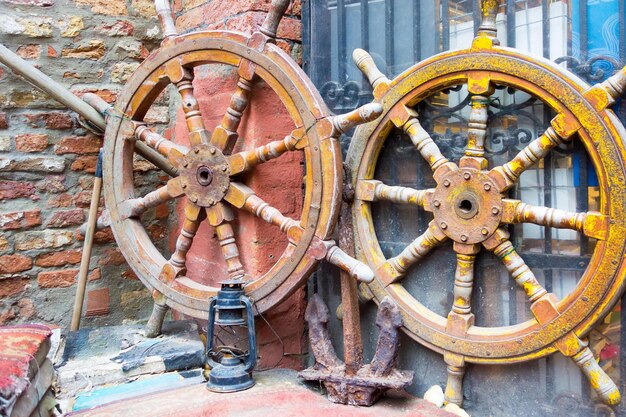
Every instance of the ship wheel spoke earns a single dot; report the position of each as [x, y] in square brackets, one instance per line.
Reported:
[137, 206]
[591, 224]
[395, 268]
[193, 217]
[246, 160]
[220, 216]
[425, 144]
[507, 175]
[477, 131]
[502, 247]
[460, 318]
[241, 196]
[373, 190]
[464, 278]
[182, 78]
[172, 151]
[225, 135]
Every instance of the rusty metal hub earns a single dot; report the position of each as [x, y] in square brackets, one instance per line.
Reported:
[205, 175]
[467, 206]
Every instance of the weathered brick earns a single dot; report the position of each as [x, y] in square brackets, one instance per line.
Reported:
[129, 48]
[4, 243]
[44, 239]
[52, 53]
[71, 28]
[36, 27]
[101, 236]
[92, 49]
[50, 120]
[59, 258]
[33, 164]
[122, 71]
[13, 285]
[107, 95]
[119, 28]
[108, 7]
[85, 163]
[11, 264]
[31, 142]
[16, 189]
[111, 256]
[94, 275]
[5, 143]
[26, 309]
[130, 274]
[66, 218]
[4, 124]
[61, 200]
[144, 8]
[97, 302]
[7, 315]
[31, 51]
[156, 231]
[53, 184]
[20, 219]
[57, 279]
[78, 145]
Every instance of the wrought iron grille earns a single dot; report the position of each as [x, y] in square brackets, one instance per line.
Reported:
[586, 36]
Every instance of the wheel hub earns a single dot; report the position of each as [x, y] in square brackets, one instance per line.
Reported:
[467, 206]
[205, 175]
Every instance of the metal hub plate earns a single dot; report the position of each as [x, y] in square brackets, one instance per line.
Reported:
[467, 206]
[205, 175]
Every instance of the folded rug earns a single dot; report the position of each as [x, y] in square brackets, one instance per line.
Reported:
[23, 349]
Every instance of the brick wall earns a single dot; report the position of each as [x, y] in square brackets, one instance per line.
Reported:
[47, 160]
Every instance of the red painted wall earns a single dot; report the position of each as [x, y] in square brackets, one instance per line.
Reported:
[278, 182]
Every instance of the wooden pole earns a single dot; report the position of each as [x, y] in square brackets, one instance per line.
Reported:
[87, 246]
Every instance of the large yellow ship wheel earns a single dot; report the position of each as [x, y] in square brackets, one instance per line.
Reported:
[471, 208]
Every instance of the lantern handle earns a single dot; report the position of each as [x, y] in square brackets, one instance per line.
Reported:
[209, 337]
[251, 359]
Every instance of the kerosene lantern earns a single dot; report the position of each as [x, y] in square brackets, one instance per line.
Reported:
[230, 366]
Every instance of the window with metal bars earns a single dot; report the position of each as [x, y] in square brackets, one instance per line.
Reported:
[588, 37]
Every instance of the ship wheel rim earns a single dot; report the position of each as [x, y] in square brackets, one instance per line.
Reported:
[321, 191]
[511, 343]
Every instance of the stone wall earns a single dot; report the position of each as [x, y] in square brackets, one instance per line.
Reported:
[47, 159]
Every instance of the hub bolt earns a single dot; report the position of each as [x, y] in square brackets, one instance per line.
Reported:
[196, 150]
[194, 199]
[185, 163]
[495, 210]
[446, 183]
[212, 150]
[224, 168]
[484, 231]
[487, 187]
[184, 186]
[436, 203]
[444, 226]
[464, 238]
[467, 176]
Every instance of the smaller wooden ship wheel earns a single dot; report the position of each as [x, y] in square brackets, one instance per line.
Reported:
[471, 206]
[208, 176]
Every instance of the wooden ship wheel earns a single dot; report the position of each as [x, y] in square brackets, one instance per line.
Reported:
[471, 206]
[206, 175]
